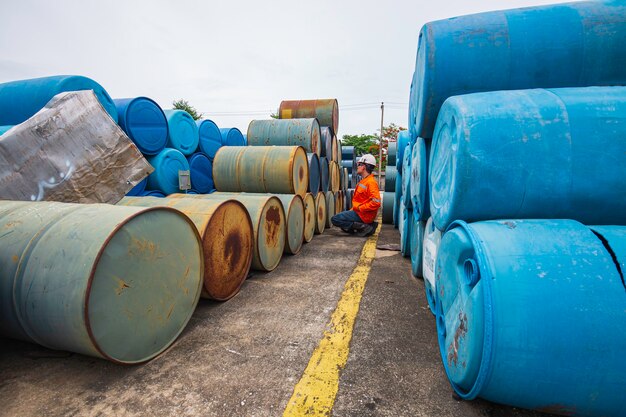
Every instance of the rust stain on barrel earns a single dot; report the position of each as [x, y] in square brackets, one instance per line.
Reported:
[461, 331]
[301, 173]
[233, 242]
[272, 220]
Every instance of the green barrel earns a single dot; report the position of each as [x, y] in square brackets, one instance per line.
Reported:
[119, 283]
[391, 174]
[294, 210]
[392, 151]
[227, 239]
[324, 110]
[309, 217]
[285, 132]
[261, 169]
[268, 224]
[388, 200]
[330, 208]
[320, 210]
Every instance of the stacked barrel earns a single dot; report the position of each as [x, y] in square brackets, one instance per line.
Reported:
[516, 131]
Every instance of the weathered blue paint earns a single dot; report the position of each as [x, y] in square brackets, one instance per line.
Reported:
[285, 132]
[166, 165]
[324, 174]
[564, 45]
[19, 100]
[182, 132]
[231, 136]
[530, 313]
[210, 137]
[144, 122]
[201, 172]
[314, 173]
[531, 154]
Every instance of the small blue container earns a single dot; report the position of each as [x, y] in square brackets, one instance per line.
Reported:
[231, 136]
[20, 100]
[201, 170]
[182, 132]
[314, 173]
[144, 122]
[166, 166]
[210, 137]
[324, 174]
[138, 189]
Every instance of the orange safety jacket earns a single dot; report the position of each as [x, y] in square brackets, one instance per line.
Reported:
[366, 200]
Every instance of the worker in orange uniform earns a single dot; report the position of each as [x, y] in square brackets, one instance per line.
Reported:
[365, 203]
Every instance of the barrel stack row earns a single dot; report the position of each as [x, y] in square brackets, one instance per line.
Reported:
[518, 206]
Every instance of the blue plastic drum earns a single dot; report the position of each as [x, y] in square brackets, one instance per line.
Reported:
[166, 165]
[138, 189]
[210, 137]
[231, 136]
[314, 173]
[182, 132]
[201, 171]
[144, 122]
[324, 174]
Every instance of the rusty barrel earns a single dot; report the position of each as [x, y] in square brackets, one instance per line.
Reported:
[324, 174]
[314, 173]
[261, 169]
[330, 208]
[287, 132]
[309, 217]
[338, 202]
[97, 279]
[324, 110]
[321, 210]
[227, 239]
[333, 176]
[293, 205]
[268, 224]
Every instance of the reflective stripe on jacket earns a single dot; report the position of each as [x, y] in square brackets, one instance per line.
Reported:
[366, 200]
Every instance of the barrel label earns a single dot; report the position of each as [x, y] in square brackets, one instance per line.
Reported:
[285, 114]
[430, 256]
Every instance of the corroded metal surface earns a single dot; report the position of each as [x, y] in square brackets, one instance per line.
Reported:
[333, 177]
[330, 208]
[294, 210]
[325, 110]
[97, 279]
[320, 210]
[227, 239]
[261, 169]
[290, 132]
[309, 217]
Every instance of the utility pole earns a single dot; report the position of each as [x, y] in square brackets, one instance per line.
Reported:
[380, 146]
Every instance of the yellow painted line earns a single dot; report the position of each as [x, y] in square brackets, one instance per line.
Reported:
[315, 393]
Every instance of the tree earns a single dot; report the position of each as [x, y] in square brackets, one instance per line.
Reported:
[184, 105]
[274, 115]
[370, 143]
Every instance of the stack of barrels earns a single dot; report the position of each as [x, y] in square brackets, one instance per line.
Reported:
[518, 200]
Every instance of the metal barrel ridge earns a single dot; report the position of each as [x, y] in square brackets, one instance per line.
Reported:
[182, 132]
[261, 169]
[167, 165]
[268, 224]
[293, 205]
[324, 174]
[557, 157]
[20, 100]
[286, 132]
[324, 110]
[144, 122]
[309, 217]
[570, 277]
[321, 213]
[494, 51]
[330, 208]
[314, 173]
[118, 288]
[227, 239]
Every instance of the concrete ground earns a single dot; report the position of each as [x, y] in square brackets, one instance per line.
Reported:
[244, 357]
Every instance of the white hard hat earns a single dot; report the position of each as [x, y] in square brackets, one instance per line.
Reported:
[367, 159]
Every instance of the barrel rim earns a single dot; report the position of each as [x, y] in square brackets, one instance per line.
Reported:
[295, 197]
[319, 228]
[305, 238]
[94, 267]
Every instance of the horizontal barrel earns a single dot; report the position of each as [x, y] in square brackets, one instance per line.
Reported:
[333, 177]
[419, 179]
[403, 140]
[309, 217]
[231, 136]
[392, 152]
[118, 283]
[268, 224]
[388, 199]
[209, 137]
[293, 205]
[495, 51]
[397, 200]
[330, 208]
[430, 247]
[324, 174]
[406, 177]
[531, 154]
[406, 229]
[416, 241]
[201, 173]
[261, 169]
[326, 142]
[391, 174]
[287, 132]
[152, 193]
[320, 209]
[314, 173]
[324, 110]
[20, 100]
[182, 132]
[144, 122]
[227, 239]
[546, 280]
[167, 165]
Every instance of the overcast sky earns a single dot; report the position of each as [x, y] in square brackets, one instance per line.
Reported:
[233, 60]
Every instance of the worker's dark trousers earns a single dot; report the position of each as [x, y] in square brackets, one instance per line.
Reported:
[345, 219]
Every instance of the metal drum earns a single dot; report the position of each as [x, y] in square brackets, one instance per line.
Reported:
[144, 122]
[261, 169]
[334, 176]
[326, 142]
[294, 230]
[321, 210]
[227, 239]
[326, 111]
[314, 173]
[330, 208]
[182, 132]
[289, 132]
[119, 283]
[390, 178]
[324, 174]
[388, 200]
[309, 217]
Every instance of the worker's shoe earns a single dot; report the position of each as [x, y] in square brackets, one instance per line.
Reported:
[349, 230]
[364, 229]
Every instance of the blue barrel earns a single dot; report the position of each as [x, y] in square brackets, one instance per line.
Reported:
[406, 177]
[406, 228]
[531, 154]
[201, 173]
[324, 174]
[391, 177]
[166, 166]
[570, 45]
[4, 129]
[152, 193]
[419, 179]
[182, 132]
[430, 248]
[314, 173]
[231, 136]
[19, 100]
[397, 202]
[530, 313]
[138, 189]
[144, 122]
[210, 137]
[388, 201]
[403, 140]
[415, 244]
[392, 151]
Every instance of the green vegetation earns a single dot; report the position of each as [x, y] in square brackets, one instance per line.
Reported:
[369, 143]
[184, 105]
